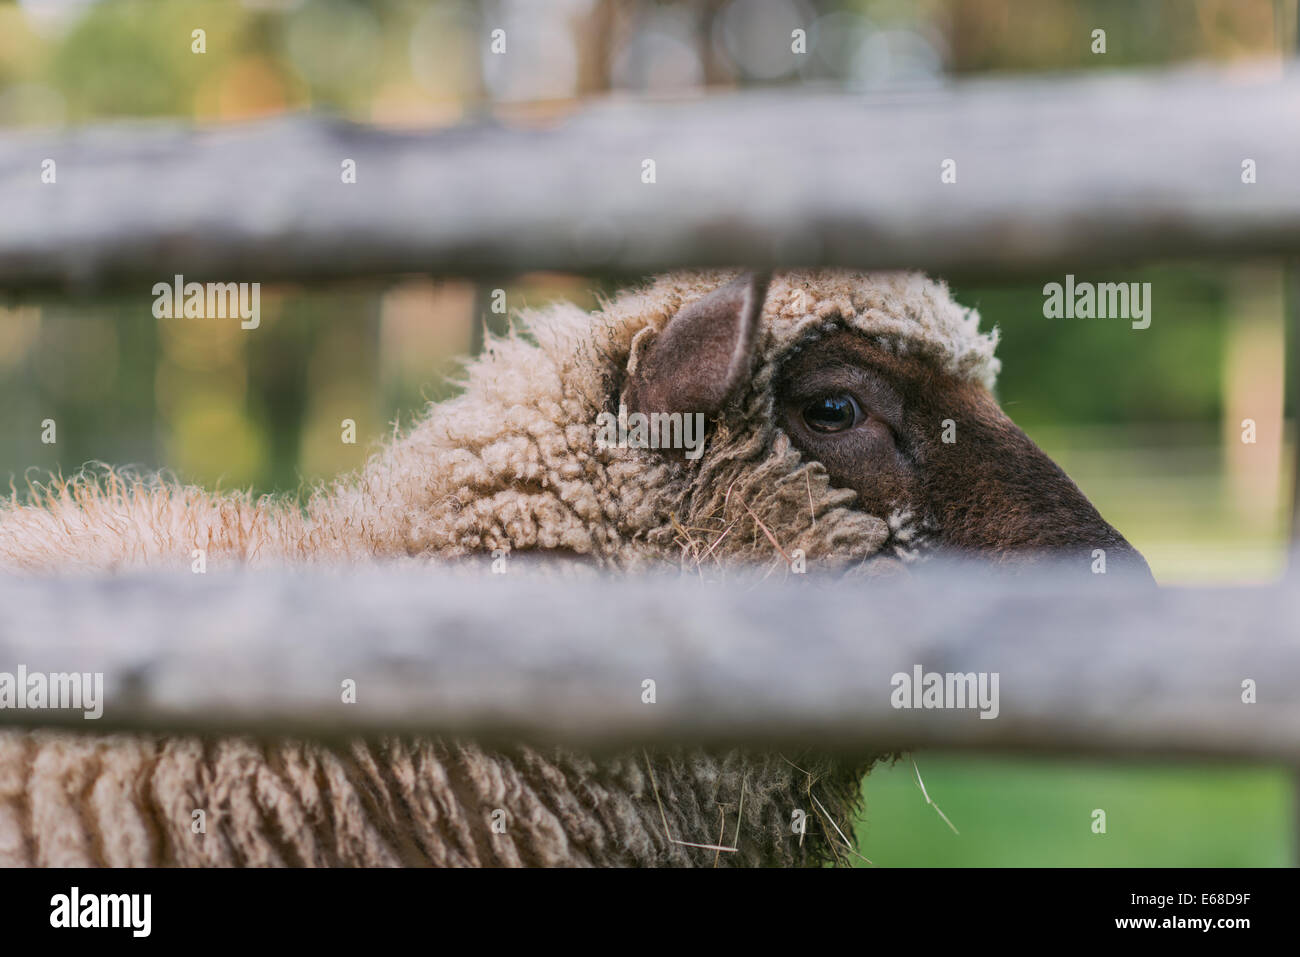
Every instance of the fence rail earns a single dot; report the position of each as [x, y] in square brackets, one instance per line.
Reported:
[1085, 666]
[1057, 174]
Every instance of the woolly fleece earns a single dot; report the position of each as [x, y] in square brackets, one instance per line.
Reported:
[509, 464]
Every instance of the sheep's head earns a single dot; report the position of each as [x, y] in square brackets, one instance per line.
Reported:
[874, 385]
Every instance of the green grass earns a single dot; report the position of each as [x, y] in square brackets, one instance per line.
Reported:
[1014, 813]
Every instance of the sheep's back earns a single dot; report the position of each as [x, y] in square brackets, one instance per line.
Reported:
[79, 800]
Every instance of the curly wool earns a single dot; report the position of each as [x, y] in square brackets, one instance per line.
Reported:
[123, 801]
[511, 464]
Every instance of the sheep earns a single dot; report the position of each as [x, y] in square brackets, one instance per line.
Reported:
[830, 399]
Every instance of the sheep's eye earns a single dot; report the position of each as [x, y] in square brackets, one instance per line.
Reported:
[831, 413]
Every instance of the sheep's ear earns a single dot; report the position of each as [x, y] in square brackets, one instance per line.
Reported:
[704, 354]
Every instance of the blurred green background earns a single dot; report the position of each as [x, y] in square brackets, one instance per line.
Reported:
[1147, 422]
[1040, 814]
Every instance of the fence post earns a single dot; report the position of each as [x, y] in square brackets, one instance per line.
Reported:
[1291, 397]
[1291, 400]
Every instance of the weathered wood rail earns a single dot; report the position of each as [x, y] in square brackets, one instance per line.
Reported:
[1085, 665]
[1053, 174]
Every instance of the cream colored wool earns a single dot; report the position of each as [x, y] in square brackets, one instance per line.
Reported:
[510, 464]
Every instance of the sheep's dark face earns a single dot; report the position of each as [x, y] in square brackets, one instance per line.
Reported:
[888, 423]
[906, 436]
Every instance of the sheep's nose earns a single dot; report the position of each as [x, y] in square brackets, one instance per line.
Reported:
[1106, 553]
[1126, 562]
[1025, 509]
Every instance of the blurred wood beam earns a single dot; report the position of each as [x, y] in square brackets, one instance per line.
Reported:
[1085, 665]
[1051, 175]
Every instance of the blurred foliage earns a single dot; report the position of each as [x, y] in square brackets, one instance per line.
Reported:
[1101, 371]
[1012, 35]
[74, 60]
[1040, 814]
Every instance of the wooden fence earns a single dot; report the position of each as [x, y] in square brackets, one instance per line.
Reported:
[1085, 664]
[1049, 175]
